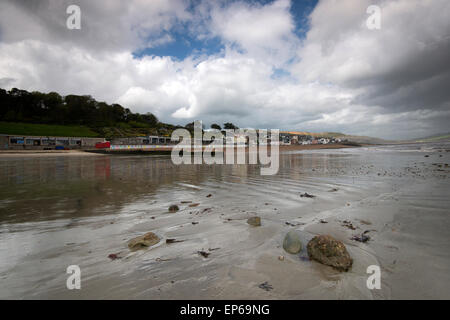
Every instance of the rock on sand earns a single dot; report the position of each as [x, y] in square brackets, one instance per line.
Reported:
[292, 243]
[329, 251]
[254, 221]
[147, 240]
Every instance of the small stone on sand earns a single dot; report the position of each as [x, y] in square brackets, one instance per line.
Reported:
[292, 243]
[147, 240]
[254, 221]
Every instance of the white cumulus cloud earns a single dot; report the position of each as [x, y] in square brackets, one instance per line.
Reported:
[390, 83]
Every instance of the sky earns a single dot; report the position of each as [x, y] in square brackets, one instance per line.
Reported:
[292, 65]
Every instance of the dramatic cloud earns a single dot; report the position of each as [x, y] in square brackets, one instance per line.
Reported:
[106, 25]
[264, 32]
[341, 76]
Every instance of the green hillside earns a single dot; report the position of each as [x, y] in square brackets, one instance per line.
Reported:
[440, 137]
[50, 114]
[31, 129]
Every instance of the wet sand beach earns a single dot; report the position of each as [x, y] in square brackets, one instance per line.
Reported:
[57, 211]
[43, 153]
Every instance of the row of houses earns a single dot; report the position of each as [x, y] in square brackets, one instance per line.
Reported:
[292, 137]
[147, 140]
[285, 138]
[22, 142]
[238, 139]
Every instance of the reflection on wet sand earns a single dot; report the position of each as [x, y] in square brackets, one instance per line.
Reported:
[57, 211]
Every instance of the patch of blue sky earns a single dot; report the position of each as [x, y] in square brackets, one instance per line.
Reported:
[279, 73]
[182, 46]
[300, 10]
[183, 43]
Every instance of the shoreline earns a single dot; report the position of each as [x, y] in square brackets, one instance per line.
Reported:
[92, 152]
[320, 146]
[44, 153]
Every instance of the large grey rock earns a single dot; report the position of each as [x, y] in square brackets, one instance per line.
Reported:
[292, 242]
[147, 240]
[329, 251]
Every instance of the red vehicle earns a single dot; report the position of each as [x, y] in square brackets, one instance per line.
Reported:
[103, 145]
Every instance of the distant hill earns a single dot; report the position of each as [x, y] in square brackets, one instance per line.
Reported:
[352, 138]
[435, 138]
[366, 140]
[316, 134]
[51, 114]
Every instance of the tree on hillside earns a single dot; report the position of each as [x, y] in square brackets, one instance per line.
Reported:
[229, 125]
[151, 119]
[190, 126]
[216, 126]
[51, 108]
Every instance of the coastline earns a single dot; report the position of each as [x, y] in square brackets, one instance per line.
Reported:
[44, 153]
[100, 152]
[318, 146]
